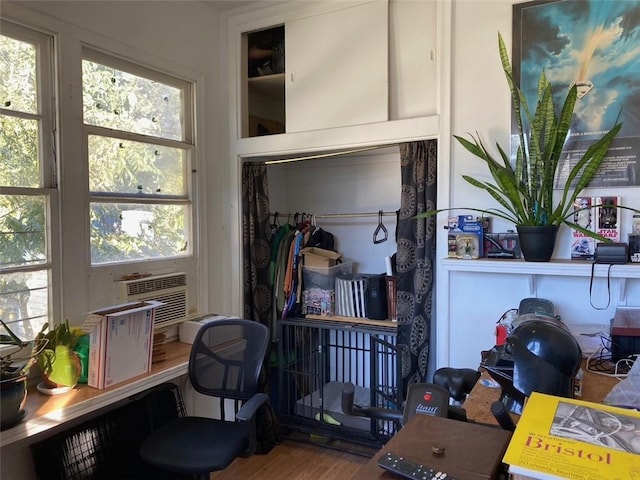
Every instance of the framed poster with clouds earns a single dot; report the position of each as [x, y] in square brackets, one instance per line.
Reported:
[596, 45]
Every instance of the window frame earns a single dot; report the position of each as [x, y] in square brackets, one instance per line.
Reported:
[47, 116]
[188, 144]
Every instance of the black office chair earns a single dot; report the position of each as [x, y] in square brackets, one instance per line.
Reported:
[225, 362]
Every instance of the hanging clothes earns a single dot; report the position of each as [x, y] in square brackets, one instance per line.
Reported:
[291, 278]
[276, 238]
[278, 302]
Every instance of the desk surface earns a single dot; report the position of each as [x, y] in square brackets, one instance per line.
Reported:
[478, 405]
[45, 412]
[471, 451]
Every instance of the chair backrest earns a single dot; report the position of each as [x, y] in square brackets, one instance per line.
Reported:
[226, 358]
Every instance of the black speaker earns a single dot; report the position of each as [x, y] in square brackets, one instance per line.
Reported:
[376, 298]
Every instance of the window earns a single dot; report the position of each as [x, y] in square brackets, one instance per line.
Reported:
[28, 197]
[139, 148]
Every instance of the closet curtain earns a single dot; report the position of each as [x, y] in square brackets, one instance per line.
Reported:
[256, 250]
[416, 242]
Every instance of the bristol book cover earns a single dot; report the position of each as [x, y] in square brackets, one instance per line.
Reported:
[560, 438]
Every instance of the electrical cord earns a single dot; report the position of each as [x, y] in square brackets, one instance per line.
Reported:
[600, 362]
[593, 265]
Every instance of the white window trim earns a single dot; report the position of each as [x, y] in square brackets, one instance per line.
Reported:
[47, 115]
[187, 144]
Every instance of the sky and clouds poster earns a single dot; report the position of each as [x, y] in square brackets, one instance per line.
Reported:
[596, 45]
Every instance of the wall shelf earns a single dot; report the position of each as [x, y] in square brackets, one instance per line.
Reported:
[268, 86]
[559, 267]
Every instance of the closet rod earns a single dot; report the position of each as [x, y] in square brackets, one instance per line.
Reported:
[336, 215]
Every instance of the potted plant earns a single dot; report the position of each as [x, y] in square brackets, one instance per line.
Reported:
[59, 364]
[16, 359]
[525, 190]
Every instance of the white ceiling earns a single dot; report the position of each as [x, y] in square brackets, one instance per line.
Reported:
[222, 5]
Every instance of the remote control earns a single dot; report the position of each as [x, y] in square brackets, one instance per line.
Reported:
[407, 469]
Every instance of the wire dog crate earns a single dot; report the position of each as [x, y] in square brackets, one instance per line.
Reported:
[317, 356]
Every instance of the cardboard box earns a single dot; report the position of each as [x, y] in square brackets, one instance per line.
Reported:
[188, 329]
[465, 237]
[607, 217]
[583, 247]
[120, 342]
[319, 257]
[502, 245]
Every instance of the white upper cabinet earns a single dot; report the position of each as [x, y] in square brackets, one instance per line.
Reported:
[337, 69]
[317, 68]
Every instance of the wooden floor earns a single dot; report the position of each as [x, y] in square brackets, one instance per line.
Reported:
[292, 460]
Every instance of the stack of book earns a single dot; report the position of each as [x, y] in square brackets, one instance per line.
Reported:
[563, 438]
[159, 352]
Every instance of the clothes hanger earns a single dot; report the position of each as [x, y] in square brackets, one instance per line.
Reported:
[380, 228]
[276, 222]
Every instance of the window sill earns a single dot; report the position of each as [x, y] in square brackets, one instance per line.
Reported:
[47, 412]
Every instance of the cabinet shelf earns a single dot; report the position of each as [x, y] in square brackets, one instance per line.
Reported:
[562, 268]
[271, 86]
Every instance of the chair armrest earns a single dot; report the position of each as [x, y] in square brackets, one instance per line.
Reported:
[250, 407]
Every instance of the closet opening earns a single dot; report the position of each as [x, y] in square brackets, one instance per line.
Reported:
[358, 204]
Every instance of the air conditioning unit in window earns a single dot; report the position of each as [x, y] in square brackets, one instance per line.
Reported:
[170, 289]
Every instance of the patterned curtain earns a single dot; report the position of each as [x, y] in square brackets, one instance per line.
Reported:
[416, 239]
[255, 242]
[256, 255]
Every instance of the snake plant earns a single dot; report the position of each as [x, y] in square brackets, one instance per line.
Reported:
[525, 189]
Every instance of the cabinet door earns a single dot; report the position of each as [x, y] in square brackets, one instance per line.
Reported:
[336, 64]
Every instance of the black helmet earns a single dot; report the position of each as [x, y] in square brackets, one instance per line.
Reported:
[539, 355]
[546, 358]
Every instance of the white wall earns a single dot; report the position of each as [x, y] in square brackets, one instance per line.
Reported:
[362, 183]
[180, 38]
[480, 102]
[186, 37]
[469, 304]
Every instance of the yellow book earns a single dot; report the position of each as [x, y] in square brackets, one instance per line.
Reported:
[564, 438]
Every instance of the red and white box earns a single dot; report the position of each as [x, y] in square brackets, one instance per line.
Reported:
[607, 217]
[120, 342]
[583, 247]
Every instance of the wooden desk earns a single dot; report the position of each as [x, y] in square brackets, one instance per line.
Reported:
[472, 452]
[478, 405]
[45, 412]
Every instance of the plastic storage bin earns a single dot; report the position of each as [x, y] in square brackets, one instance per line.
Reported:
[324, 277]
